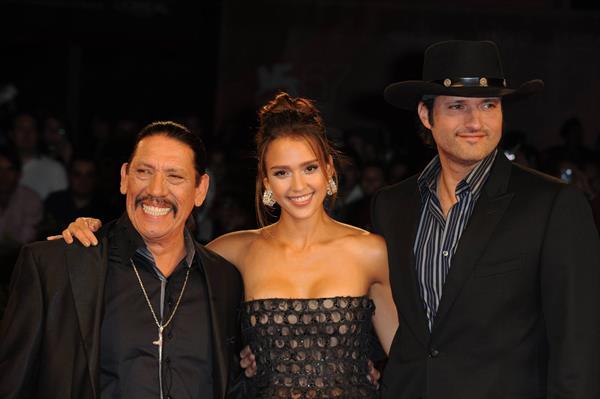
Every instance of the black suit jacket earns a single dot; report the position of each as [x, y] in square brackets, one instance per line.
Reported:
[50, 333]
[519, 315]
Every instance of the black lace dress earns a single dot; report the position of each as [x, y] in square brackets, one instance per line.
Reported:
[310, 348]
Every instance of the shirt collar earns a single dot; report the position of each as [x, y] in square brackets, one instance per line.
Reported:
[480, 173]
[427, 180]
[130, 241]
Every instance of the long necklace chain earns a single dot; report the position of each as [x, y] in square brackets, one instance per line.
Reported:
[160, 325]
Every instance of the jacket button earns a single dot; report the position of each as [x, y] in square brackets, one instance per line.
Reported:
[434, 353]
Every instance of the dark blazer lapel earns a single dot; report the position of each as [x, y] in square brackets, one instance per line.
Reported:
[219, 338]
[403, 238]
[490, 208]
[87, 273]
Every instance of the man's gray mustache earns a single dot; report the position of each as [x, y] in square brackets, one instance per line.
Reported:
[157, 201]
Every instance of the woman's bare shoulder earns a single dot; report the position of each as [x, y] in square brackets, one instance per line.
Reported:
[362, 239]
[369, 248]
[233, 245]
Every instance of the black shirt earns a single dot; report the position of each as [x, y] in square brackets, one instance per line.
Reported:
[129, 363]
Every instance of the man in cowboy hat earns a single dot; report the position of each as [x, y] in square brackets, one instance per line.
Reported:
[495, 268]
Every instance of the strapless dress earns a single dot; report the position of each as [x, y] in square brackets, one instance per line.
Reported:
[310, 348]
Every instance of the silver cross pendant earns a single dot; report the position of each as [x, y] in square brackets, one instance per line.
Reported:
[159, 341]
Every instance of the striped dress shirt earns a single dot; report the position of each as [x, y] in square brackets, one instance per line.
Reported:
[438, 236]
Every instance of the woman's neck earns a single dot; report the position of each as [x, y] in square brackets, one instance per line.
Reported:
[301, 233]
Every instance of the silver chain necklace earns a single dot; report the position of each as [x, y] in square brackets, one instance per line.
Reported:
[161, 326]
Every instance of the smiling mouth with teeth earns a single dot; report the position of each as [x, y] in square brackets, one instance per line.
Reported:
[154, 210]
[301, 199]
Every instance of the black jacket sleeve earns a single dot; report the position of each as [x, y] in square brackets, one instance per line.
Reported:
[20, 329]
[570, 292]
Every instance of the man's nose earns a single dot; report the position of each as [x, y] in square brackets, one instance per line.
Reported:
[158, 185]
[473, 119]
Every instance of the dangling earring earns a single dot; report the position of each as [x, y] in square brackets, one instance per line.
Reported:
[331, 187]
[267, 198]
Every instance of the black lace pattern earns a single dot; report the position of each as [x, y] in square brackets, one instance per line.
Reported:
[310, 348]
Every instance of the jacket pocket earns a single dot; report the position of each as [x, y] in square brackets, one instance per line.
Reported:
[501, 267]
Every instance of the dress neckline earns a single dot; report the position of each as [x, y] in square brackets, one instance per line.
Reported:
[308, 299]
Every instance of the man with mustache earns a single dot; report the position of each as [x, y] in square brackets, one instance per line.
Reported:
[495, 268]
[147, 313]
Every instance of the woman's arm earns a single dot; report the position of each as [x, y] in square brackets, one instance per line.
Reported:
[82, 229]
[385, 319]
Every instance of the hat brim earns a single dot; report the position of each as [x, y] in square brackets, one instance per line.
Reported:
[407, 94]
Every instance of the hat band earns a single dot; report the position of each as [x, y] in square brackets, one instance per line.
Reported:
[472, 82]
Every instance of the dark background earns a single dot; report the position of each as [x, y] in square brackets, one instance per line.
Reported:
[148, 60]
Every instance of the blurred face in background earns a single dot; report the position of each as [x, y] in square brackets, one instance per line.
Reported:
[9, 176]
[54, 132]
[372, 179]
[24, 134]
[398, 172]
[349, 175]
[82, 178]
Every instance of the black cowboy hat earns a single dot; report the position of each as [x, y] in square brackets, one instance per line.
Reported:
[458, 68]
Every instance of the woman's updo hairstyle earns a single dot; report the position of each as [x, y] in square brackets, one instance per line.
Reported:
[293, 117]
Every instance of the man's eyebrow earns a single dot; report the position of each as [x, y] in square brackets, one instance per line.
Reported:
[287, 167]
[174, 169]
[453, 101]
[145, 165]
[168, 169]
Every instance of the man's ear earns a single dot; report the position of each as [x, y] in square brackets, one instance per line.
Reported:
[423, 113]
[201, 190]
[124, 175]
